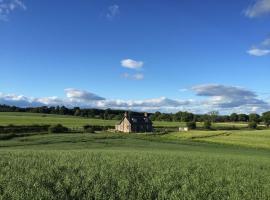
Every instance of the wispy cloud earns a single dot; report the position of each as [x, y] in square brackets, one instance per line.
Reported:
[132, 64]
[258, 52]
[262, 49]
[9, 6]
[136, 76]
[113, 11]
[259, 8]
[266, 42]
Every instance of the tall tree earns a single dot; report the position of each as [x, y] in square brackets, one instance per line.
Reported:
[266, 118]
[254, 118]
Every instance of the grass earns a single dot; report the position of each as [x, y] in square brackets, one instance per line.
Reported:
[257, 139]
[17, 118]
[188, 165]
[116, 166]
[35, 118]
[247, 138]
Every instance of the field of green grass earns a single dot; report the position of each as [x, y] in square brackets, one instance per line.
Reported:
[14, 118]
[246, 138]
[189, 165]
[35, 118]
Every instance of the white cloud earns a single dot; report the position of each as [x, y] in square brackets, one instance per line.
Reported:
[262, 49]
[113, 11]
[258, 52]
[225, 99]
[8, 6]
[75, 94]
[259, 8]
[151, 105]
[229, 98]
[132, 64]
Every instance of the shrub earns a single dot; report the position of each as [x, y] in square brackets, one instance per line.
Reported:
[191, 125]
[88, 129]
[252, 125]
[24, 129]
[59, 128]
[207, 124]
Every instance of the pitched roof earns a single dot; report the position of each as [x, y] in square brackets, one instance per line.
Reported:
[136, 120]
[139, 120]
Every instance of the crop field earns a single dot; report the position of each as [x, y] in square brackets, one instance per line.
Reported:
[188, 165]
[119, 166]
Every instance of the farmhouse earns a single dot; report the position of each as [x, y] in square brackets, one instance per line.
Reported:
[131, 123]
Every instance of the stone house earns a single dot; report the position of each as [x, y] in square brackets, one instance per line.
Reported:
[134, 124]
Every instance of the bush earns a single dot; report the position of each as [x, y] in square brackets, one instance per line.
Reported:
[24, 129]
[59, 128]
[207, 124]
[88, 129]
[191, 125]
[252, 125]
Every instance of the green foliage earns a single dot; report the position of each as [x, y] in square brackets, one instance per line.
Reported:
[58, 128]
[213, 115]
[191, 125]
[23, 128]
[88, 129]
[254, 118]
[252, 125]
[266, 118]
[207, 124]
[234, 117]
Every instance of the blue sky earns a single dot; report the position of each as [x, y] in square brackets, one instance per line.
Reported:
[143, 55]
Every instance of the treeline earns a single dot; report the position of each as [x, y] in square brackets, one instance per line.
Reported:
[211, 116]
[157, 116]
[62, 110]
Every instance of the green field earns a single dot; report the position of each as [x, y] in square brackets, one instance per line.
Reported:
[7, 118]
[245, 138]
[189, 165]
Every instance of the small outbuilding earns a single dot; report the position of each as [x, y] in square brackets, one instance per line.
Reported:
[183, 129]
[134, 124]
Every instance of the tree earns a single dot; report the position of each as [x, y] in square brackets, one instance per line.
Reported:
[177, 116]
[254, 118]
[106, 114]
[207, 124]
[165, 117]
[266, 118]
[191, 125]
[243, 118]
[187, 117]
[252, 125]
[155, 116]
[234, 117]
[213, 115]
[77, 112]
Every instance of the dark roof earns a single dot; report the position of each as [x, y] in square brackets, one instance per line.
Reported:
[139, 120]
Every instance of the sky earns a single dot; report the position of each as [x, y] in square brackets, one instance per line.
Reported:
[143, 55]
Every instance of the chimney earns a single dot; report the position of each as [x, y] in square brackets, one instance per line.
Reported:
[145, 114]
[126, 114]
